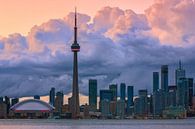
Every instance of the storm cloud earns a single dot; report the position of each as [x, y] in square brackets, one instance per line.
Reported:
[116, 46]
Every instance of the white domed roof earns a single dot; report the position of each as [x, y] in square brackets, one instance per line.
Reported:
[32, 105]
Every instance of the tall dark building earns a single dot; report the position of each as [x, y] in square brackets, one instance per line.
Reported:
[122, 91]
[7, 102]
[155, 81]
[158, 102]
[190, 86]
[183, 93]
[164, 78]
[172, 96]
[164, 84]
[143, 96]
[59, 100]
[113, 88]
[75, 88]
[52, 96]
[93, 94]
[130, 95]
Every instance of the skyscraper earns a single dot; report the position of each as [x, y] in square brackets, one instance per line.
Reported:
[122, 91]
[93, 94]
[172, 95]
[143, 98]
[164, 78]
[59, 100]
[158, 102]
[130, 95]
[164, 84]
[183, 93]
[190, 86]
[7, 102]
[155, 81]
[52, 96]
[113, 88]
[179, 73]
[75, 88]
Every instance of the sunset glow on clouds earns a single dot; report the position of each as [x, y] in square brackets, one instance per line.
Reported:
[117, 45]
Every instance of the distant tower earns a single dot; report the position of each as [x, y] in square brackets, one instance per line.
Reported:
[164, 78]
[52, 96]
[93, 94]
[155, 81]
[179, 73]
[122, 91]
[75, 88]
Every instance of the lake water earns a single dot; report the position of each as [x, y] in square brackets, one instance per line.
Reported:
[98, 124]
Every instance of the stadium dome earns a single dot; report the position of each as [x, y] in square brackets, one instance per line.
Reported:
[32, 105]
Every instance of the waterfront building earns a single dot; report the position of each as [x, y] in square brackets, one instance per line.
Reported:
[14, 101]
[52, 96]
[183, 93]
[93, 94]
[7, 102]
[113, 108]
[65, 108]
[193, 103]
[105, 108]
[122, 91]
[86, 111]
[172, 96]
[37, 97]
[190, 87]
[75, 110]
[113, 88]
[143, 97]
[3, 110]
[137, 106]
[155, 81]
[59, 102]
[158, 102]
[149, 105]
[120, 108]
[32, 108]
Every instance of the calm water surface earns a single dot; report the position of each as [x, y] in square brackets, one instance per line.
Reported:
[98, 124]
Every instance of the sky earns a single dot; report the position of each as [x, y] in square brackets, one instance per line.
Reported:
[19, 16]
[121, 41]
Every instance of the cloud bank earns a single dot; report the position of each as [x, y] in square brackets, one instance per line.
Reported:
[117, 46]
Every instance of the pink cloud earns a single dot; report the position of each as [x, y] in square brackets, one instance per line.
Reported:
[172, 21]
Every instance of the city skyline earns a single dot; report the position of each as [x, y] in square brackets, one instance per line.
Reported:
[118, 46]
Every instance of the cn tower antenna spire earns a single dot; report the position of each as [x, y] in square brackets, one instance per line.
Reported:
[75, 16]
[75, 26]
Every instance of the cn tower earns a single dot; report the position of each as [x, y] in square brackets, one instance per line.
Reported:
[75, 88]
